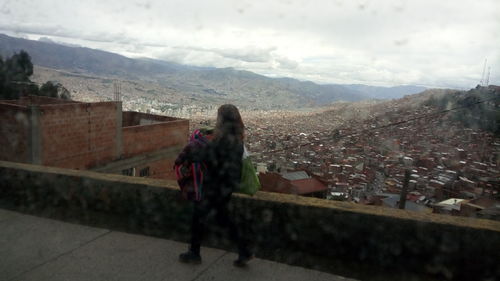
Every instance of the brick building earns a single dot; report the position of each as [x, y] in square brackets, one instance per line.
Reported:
[297, 182]
[92, 136]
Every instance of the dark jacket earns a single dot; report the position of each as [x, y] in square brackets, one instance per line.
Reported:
[223, 160]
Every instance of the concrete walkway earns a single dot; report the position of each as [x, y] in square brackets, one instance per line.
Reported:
[34, 248]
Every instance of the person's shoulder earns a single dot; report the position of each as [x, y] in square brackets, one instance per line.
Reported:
[231, 146]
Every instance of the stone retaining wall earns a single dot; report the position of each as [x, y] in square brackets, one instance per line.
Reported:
[334, 236]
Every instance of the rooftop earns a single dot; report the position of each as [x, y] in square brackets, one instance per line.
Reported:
[297, 175]
[307, 186]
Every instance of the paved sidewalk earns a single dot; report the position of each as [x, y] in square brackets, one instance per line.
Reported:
[34, 248]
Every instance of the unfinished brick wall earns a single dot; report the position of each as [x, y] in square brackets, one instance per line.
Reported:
[14, 133]
[138, 140]
[142, 139]
[162, 169]
[79, 135]
[39, 100]
[132, 118]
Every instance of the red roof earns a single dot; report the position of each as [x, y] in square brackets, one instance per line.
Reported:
[306, 186]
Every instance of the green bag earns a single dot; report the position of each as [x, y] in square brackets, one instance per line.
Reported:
[250, 183]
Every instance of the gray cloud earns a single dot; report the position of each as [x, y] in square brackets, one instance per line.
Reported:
[286, 63]
[428, 42]
[46, 39]
[247, 54]
[60, 31]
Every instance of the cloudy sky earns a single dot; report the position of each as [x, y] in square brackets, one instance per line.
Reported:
[381, 42]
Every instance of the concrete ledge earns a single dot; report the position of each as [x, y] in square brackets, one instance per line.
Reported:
[316, 233]
[40, 249]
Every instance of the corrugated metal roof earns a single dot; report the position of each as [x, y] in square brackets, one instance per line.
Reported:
[298, 175]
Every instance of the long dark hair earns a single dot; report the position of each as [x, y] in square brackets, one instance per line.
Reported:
[229, 124]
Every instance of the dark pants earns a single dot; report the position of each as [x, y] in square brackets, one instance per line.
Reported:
[201, 210]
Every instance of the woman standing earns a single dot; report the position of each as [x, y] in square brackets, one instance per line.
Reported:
[223, 158]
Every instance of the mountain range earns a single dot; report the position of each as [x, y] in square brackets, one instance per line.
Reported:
[204, 83]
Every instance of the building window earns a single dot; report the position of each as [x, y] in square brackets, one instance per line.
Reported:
[144, 172]
[128, 172]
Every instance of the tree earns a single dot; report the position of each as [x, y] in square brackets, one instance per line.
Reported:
[476, 108]
[15, 80]
[2, 79]
[48, 89]
[18, 68]
[54, 90]
[64, 94]
[22, 66]
[14, 76]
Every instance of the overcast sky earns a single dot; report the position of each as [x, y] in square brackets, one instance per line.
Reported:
[437, 43]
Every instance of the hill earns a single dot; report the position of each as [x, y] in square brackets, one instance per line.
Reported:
[479, 107]
[204, 84]
[386, 92]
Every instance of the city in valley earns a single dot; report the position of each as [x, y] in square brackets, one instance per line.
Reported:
[370, 145]
[360, 151]
[407, 147]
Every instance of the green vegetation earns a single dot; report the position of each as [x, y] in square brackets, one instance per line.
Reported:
[479, 107]
[15, 80]
[54, 90]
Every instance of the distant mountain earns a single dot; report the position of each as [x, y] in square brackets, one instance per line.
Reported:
[211, 84]
[386, 92]
[80, 59]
